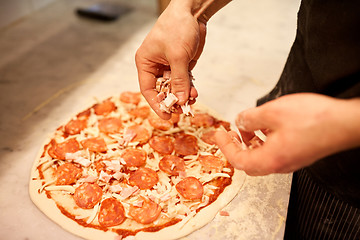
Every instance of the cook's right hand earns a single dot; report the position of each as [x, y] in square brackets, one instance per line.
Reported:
[175, 43]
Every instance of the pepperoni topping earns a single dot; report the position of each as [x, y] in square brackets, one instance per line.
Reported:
[202, 120]
[87, 195]
[209, 137]
[144, 178]
[130, 97]
[96, 144]
[162, 144]
[59, 150]
[185, 144]
[190, 188]
[142, 135]
[147, 213]
[210, 162]
[75, 126]
[111, 213]
[104, 108]
[140, 112]
[67, 174]
[110, 125]
[84, 115]
[159, 123]
[172, 165]
[134, 157]
[225, 124]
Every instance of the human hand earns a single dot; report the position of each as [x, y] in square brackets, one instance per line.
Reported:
[301, 129]
[175, 42]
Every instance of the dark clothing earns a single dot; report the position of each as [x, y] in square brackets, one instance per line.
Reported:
[325, 59]
[314, 213]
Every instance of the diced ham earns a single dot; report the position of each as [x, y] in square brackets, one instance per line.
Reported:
[118, 175]
[88, 179]
[165, 197]
[161, 96]
[182, 174]
[170, 100]
[83, 161]
[115, 188]
[113, 165]
[105, 177]
[127, 192]
[138, 203]
[78, 158]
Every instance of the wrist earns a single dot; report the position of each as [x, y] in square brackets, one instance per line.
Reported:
[202, 10]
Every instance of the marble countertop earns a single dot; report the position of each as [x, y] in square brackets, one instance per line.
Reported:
[54, 64]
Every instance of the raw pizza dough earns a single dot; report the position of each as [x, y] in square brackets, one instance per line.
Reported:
[40, 190]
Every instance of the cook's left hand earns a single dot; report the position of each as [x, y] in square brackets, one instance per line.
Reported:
[301, 129]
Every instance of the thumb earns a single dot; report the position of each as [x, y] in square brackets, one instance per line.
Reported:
[255, 119]
[180, 82]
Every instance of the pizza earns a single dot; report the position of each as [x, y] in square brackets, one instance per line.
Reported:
[118, 171]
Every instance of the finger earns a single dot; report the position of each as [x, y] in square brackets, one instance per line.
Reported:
[180, 81]
[255, 118]
[193, 95]
[251, 161]
[202, 33]
[147, 83]
[246, 136]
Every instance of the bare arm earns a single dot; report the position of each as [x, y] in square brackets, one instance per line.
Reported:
[175, 42]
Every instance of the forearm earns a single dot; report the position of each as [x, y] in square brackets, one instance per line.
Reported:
[203, 10]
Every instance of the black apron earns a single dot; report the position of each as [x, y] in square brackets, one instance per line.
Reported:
[325, 58]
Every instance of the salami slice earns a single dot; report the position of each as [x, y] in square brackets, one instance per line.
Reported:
[84, 114]
[96, 144]
[140, 112]
[147, 213]
[190, 188]
[144, 178]
[134, 157]
[202, 120]
[87, 195]
[130, 97]
[142, 135]
[59, 150]
[162, 144]
[185, 144]
[111, 213]
[211, 162]
[225, 124]
[75, 126]
[209, 137]
[67, 174]
[104, 108]
[172, 165]
[110, 125]
[159, 123]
